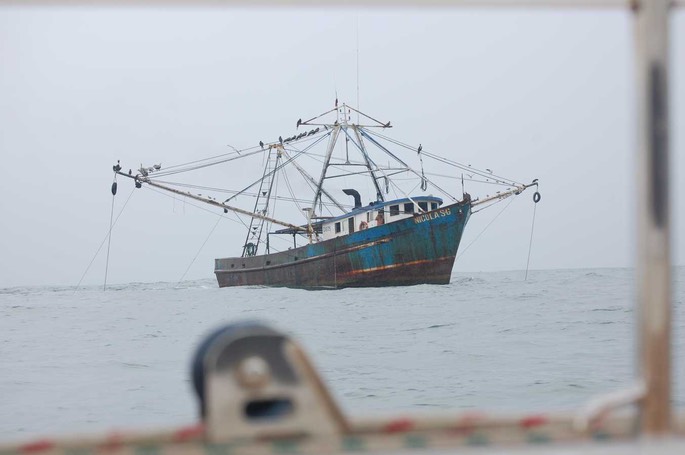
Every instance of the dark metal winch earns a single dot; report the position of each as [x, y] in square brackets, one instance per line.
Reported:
[253, 381]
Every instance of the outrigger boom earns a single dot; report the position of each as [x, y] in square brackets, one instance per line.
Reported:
[139, 178]
[505, 194]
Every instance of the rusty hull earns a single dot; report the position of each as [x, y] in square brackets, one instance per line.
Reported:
[417, 250]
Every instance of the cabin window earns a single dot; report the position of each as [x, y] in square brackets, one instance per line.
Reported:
[394, 210]
[434, 205]
[409, 208]
[423, 206]
[350, 225]
[337, 227]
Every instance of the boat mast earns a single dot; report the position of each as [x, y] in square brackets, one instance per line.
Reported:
[254, 232]
[327, 161]
[367, 160]
[311, 179]
[342, 124]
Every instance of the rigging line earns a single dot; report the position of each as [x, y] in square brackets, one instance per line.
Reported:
[202, 166]
[309, 180]
[206, 159]
[350, 174]
[224, 156]
[238, 220]
[198, 251]
[486, 174]
[467, 179]
[341, 167]
[109, 241]
[530, 244]
[443, 159]
[314, 156]
[103, 242]
[245, 153]
[484, 229]
[221, 190]
[292, 193]
[365, 134]
[290, 159]
[273, 186]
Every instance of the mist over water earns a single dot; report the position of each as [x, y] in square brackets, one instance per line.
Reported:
[95, 361]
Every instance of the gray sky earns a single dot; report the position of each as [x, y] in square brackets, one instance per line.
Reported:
[545, 95]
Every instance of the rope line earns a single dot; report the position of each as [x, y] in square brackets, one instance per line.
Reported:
[103, 242]
[530, 244]
[200, 250]
[109, 242]
[484, 229]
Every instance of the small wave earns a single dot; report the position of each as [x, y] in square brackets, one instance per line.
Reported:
[593, 275]
[437, 326]
[466, 280]
[434, 326]
[135, 365]
[528, 296]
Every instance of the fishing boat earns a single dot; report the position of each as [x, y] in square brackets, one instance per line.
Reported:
[403, 235]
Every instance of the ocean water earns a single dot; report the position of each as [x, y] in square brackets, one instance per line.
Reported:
[93, 361]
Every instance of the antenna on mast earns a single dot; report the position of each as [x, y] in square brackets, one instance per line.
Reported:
[358, 107]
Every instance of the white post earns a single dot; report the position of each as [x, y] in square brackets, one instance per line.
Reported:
[653, 211]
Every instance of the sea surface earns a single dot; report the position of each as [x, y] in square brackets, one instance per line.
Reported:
[94, 361]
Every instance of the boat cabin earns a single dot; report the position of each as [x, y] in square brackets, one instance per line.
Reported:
[377, 213]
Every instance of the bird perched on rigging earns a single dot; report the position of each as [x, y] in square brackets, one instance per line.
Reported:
[280, 139]
[157, 166]
[489, 170]
[419, 149]
[261, 144]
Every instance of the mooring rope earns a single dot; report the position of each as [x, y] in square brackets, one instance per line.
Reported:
[530, 244]
[103, 240]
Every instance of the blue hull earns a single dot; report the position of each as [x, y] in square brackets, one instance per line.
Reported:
[416, 250]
